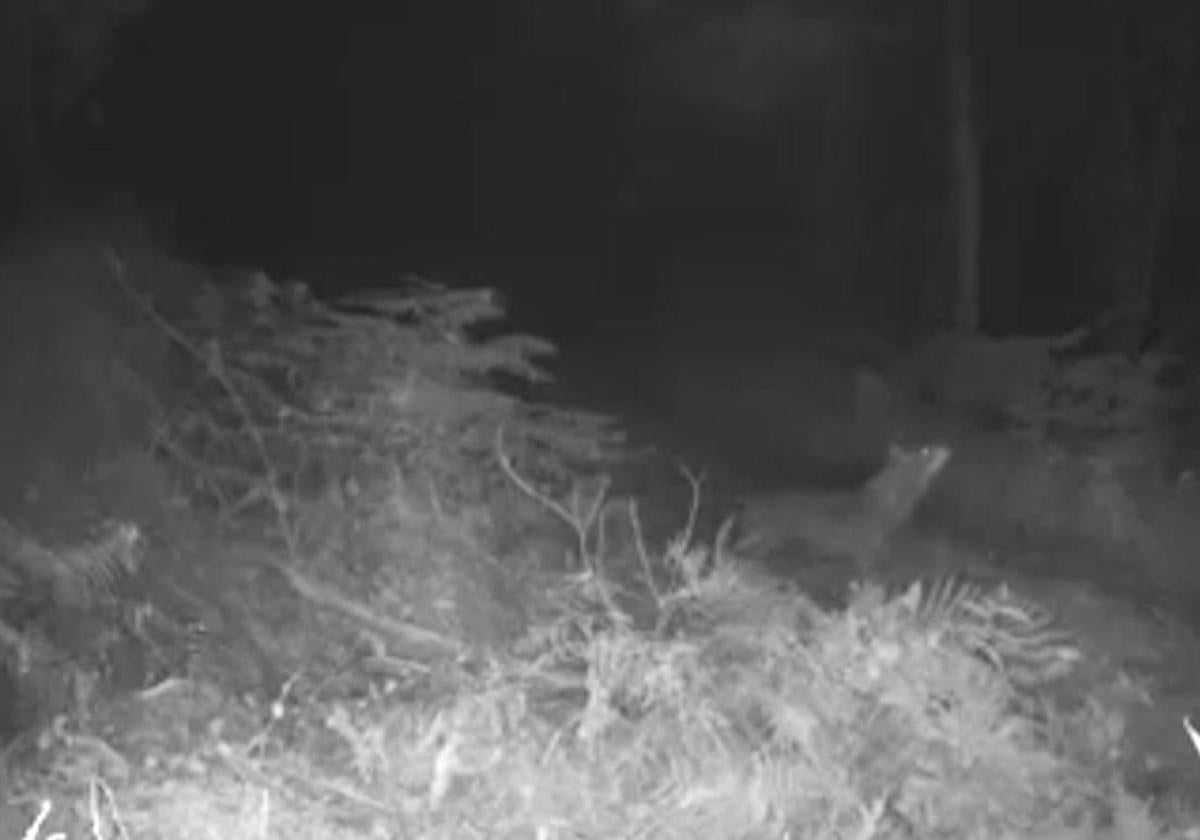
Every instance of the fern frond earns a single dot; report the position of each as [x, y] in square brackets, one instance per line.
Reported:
[76, 575]
[97, 565]
[942, 602]
[434, 304]
[1025, 636]
[1021, 639]
[303, 390]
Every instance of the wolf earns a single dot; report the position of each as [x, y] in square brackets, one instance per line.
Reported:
[774, 427]
[855, 525]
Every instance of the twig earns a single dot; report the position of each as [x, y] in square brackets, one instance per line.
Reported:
[679, 546]
[639, 542]
[34, 831]
[696, 483]
[213, 364]
[417, 640]
[98, 791]
[581, 522]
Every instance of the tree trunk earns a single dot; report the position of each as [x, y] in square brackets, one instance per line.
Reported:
[1134, 187]
[1172, 119]
[18, 144]
[964, 174]
[836, 202]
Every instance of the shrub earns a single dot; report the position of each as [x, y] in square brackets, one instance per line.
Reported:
[295, 396]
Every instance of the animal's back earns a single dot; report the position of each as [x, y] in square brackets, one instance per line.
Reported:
[775, 422]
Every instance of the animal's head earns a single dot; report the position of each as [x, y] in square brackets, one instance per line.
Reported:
[909, 472]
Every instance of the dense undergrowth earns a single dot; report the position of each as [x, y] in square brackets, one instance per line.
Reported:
[335, 579]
